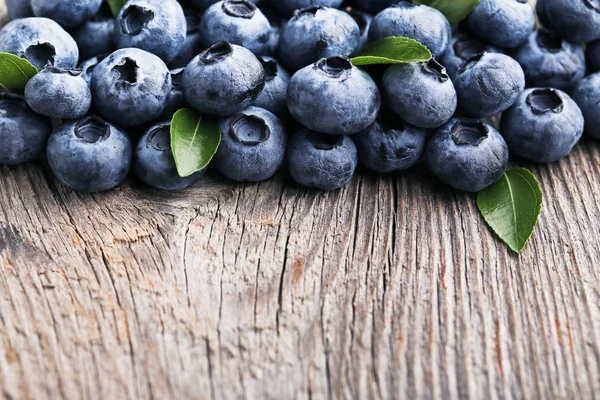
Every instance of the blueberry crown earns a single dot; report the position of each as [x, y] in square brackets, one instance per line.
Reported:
[433, 67]
[92, 129]
[250, 130]
[334, 66]
[549, 40]
[239, 8]
[159, 137]
[467, 131]
[127, 70]
[307, 11]
[216, 52]
[135, 18]
[12, 104]
[321, 141]
[41, 54]
[58, 70]
[545, 100]
[470, 62]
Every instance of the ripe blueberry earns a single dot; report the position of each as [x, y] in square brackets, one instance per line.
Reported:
[59, 93]
[24, 133]
[488, 83]
[543, 125]
[333, 96]
[467, 154]
[420, 93]
[154, 163]
[321, 161]
[223, 80]
[252, 147]
[131, 87]
[317, 32]
[89, 155]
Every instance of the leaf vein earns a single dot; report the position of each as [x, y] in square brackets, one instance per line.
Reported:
[513, 207]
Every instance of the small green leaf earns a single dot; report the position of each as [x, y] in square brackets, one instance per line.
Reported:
[454, 10]
[15, 72]
[116, 5]
[392, 50]
[511, 206]
[194, 141]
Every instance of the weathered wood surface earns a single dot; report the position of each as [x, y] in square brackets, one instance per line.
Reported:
[391, 288]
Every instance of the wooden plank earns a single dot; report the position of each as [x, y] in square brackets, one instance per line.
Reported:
[390, 288]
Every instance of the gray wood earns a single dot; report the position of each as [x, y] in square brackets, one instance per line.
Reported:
[390, 288]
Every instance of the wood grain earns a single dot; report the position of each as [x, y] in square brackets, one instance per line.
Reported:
[390, 288]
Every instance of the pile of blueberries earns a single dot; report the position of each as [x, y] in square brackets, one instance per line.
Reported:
[276, 75]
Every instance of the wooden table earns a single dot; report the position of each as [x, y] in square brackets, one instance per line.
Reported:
[390, 288]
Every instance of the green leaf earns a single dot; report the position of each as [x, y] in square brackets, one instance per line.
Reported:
[454, 10]
[511, 206]
[116, 5]
[194, 141]
[15, 72]
[392, 50]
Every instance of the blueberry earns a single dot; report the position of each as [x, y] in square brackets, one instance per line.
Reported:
[41, 41]
[374, 6]
[273, 96]
[467, 154]
[317, 32]
[420, 93]
[488, 83]
[223, 80]
[238, 22]
[59, 93]
[67, 13]
[503, 23]
[24, 133]
[252, 147]
[575, 20]
[543, 125]
[321, 161]
[288, 7]
[390, 145]
[461, 48]
[176, 99]
[593, 55]
[157, 26]
[89, 155]
[332, 96]
[363, 20]
[587, 96]
[87, 68]
[422, 23]
[154, 163]
[95, 36]
[193, 41]
[19, 9]
[549, 61]
[131, 87]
